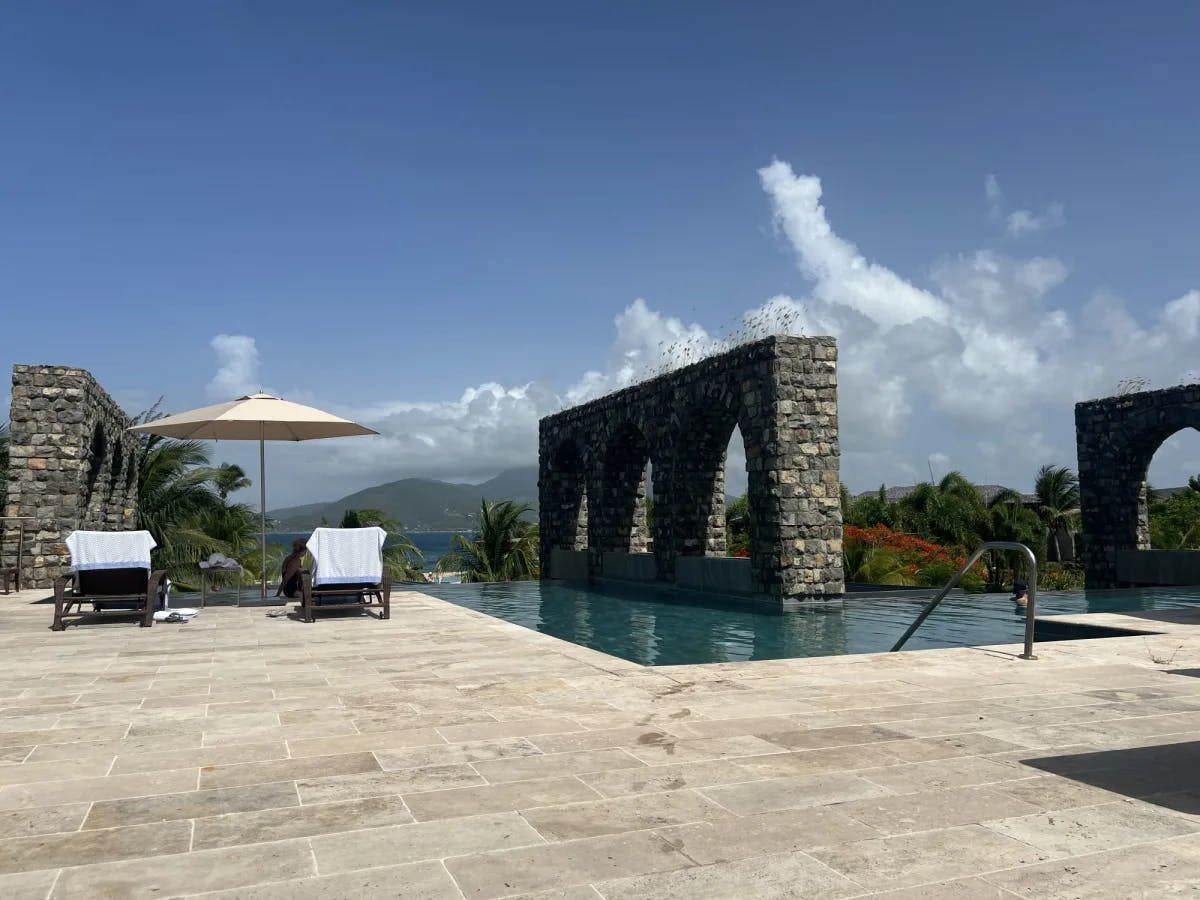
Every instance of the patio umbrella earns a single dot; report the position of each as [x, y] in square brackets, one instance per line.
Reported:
[258, 417]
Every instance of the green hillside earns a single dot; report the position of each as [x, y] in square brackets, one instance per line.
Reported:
[418, 504]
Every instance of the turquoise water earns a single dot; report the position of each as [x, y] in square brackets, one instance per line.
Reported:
[659, 628]
[432, 544]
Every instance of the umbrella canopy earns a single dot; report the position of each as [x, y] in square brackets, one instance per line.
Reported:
[257, 417]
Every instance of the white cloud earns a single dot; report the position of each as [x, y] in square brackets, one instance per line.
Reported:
[237, 367]
[982, 364]
[1020, 221]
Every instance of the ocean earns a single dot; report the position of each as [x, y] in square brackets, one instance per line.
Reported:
[433, 544]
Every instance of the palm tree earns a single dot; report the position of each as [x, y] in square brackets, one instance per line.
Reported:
[401, 557]
[504, 549]
[229, 477]
[1057, 492]
[1008, 519]
[950, 511]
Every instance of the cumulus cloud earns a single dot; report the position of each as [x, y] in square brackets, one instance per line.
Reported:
[237, 367]
[979, 361]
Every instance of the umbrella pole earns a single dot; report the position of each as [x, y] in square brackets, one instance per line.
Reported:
[262, 500]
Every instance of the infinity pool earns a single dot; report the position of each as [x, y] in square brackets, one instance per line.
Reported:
[663, 627]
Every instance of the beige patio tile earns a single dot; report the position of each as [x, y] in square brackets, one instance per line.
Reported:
[928, 856]
[816, 738]
[57, 770]
[787, 875]
[42, 820]
[412, 881]
[173, 875]
[669, 749]
[927, 810]
[52, 793]
[955, 889]
[498, 874]
[671, 777]
[626, 736]
[791, 793]
[942, 773]
[207, 756]
[1051, 792]
[378, 784]
[421, 841]
[238, 829]
[482, 731]
[379, 740]
[740, 837]
[1090, 828]
[191, 805]
[47, 752]
[523, 768]
[286, 770]
[455, 754]
[597, 817]
[27, 885]
[62, 735]
[830, 759]
[497, 797]
[48, 851]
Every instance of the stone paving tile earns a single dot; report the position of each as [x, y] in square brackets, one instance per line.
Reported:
[1148, 871]
[451, 754]
[286, 769]
[42, 820]
[778, 877]
[27, 885]
[421, 841]
[497, 797]
[626, 737]
[177, 874]
[482, 731]
[671, 777]
[191, 805]
[956, 889]
[817, 738]
[238, 829]
[596, 817]
[792, 793]
[48, 851]
[523, 768]
[207, 756]
[668, 749]
[58, 770]
[942, 773]
[1111, 825]
[490, 875]
[47, 752]
[62, 735]
[927, 810]
[379, 740]
[1048, 792]
[739, 837]
[51, 793]
[378, 784]
[928, 856]
[412, 881]
[831, 759]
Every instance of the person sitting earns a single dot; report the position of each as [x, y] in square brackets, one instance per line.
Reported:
[289, 583]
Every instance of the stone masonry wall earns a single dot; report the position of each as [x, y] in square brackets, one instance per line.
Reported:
[1116, 438]
[781, 392]
[72, 465]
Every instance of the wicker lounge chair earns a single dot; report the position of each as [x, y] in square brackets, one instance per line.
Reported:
[322, 594]
[112, 589]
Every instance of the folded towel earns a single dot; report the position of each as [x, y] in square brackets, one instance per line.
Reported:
[110, 550]
[347, 555]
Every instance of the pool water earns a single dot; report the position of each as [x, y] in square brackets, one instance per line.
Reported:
[656, 627]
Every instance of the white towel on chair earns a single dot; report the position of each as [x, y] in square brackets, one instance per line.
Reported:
[110, 550]
[347, 555]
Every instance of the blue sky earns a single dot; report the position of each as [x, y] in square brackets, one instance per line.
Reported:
[431, 215]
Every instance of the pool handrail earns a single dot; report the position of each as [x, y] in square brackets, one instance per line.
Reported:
[953, 583]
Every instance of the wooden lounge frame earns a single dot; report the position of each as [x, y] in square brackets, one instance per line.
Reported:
[133, 591]
[366, 596]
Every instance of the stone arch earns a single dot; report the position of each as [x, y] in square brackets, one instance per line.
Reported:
[1116, 439]
[566, 491]
[618, 520]
[97, 456]
[782, 393]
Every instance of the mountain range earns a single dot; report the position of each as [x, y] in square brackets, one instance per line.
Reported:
[418, 504]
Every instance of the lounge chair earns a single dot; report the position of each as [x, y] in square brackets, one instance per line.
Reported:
[347, 573]
[111, 571]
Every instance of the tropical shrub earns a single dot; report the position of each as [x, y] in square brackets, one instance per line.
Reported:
[505, 548]
[904, 559]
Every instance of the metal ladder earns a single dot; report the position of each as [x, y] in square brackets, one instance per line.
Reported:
[953, 583]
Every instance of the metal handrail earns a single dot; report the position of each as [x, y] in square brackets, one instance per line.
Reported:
[953, 583]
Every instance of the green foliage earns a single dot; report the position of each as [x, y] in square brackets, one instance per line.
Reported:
[401, 557]
[505, 547]
[1175, 521]
[1060, 577]
[737, 526]
[949, 512]
[871, 510]
[867, 564]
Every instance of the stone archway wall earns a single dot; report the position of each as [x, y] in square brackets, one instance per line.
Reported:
[781, 392]
[1116, 438]
[72, 465]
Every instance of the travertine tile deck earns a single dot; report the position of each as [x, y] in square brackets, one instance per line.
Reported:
[444, 754]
